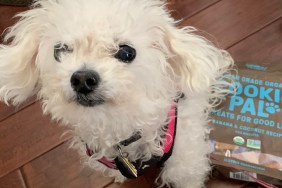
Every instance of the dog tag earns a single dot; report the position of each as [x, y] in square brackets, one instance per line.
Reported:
[123, 163]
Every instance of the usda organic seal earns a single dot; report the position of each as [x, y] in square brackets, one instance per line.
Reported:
[239, 140]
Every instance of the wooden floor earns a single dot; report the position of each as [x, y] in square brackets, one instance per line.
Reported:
[33, 154]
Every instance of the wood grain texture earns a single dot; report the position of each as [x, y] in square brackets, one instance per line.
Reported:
[16, 2]
[7, 111]
[141, 182]
[25, 136]
[263, 47]
[61, 168]
[6, 16]
[227, 183]
[182, 9]
[230, 21]
[12, 180]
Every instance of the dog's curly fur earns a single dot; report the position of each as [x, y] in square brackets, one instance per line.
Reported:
[137, 95]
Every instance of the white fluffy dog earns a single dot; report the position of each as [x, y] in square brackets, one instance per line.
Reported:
[111, 70]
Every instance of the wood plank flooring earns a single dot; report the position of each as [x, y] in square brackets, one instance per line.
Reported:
[34, 155]
[25, 136]
[6, 15]
[183, 9]
[230, 21]
[265, 46]
[13, 180]
[46, 170]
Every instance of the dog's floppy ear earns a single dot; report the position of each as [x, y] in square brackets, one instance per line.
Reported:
[198, 63]
[18, 73]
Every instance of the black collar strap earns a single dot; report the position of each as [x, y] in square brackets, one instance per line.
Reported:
[135, 137]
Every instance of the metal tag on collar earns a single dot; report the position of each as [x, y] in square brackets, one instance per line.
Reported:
[126, 163]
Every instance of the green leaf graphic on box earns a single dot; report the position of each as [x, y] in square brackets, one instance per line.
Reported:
[255, 144]
[239, 140]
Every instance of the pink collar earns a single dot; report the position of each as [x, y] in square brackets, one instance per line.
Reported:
[171, 129]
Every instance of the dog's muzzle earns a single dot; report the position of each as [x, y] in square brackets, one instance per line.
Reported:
[84, 83]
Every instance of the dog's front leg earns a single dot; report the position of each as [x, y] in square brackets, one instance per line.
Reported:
[188, 165]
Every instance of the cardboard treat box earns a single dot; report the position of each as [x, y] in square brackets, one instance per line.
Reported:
[247, 134]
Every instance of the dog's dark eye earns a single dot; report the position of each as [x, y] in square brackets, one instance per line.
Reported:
[60, 49]
[126, 54]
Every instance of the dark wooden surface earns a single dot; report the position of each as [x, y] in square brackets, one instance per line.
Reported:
[25, 136]
[13, 180]
[44, 171]
[32, 152]
[183, 9]
[6, 16]
[230, 21]
[265, 46]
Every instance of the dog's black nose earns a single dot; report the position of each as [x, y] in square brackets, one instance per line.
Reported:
[84, 81]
